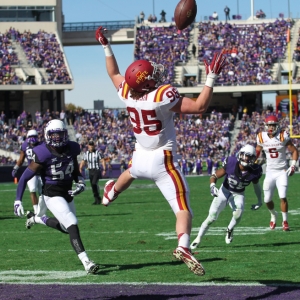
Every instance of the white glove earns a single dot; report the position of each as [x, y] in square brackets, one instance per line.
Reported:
[80, 187]
[256, 206]
[18, 208]
[290, 171]
[214, 190]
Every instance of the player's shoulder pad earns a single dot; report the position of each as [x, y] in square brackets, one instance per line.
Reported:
[166, 94]
[231, 159]
[123, 90]
[42, 152]
[228, 160]
[24, 146]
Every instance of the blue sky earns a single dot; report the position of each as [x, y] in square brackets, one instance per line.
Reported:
[87, 63]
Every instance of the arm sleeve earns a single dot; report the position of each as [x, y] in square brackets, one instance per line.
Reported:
[27, 175]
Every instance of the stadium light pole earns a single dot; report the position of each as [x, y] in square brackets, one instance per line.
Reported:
[153, 5]
[289, 11]
[237, 4]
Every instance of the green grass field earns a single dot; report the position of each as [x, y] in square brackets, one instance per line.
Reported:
[133, 240]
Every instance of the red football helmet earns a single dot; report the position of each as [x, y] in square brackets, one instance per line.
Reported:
[143, 75]
[272, 120]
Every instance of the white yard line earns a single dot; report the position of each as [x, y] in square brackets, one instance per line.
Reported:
[37, 277]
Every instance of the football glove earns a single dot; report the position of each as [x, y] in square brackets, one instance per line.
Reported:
[260, 161]
[100, 36]
[14, 171]
[290, 171]
[256, 206]
[214, 68]
[214, 190]
[18, 208]
[80, 187]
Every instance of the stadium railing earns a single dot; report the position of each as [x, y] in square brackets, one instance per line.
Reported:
[109, 25]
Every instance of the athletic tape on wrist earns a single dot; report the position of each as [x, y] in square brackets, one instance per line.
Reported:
[107, 50]
[210, 81]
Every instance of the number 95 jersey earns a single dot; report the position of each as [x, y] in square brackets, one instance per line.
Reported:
[151, 117]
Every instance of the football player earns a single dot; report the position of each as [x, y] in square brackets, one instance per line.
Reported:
[274, 142]
[35, 183]
[239, 172]
[56, 161]
[151, 106]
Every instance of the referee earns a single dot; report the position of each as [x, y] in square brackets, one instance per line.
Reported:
[93, 158]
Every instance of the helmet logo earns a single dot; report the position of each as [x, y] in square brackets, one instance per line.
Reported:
[141, 76]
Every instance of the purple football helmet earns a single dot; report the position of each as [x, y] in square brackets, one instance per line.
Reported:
[56, 134]
[32, 137]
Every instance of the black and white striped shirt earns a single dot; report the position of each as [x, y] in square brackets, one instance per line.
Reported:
[93, 159]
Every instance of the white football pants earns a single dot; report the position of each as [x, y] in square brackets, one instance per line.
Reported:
[160, 166]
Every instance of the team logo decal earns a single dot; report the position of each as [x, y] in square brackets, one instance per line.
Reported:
[141, 76]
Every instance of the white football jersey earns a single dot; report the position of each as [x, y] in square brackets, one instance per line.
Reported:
[275, 149]
[151, 117]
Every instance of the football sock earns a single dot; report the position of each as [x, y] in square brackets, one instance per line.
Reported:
[75, 239]
[83, 257]
[39, 220]
[272, 211]
[284, 216]
[183, 240]
[35, 207]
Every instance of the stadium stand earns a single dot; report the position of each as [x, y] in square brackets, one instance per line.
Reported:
[37, 73]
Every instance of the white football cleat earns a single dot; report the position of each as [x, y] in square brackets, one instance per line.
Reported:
[229, 236]
[185, 255]
[109, 194]
[30, 219]
[195, 243]
[91, 267]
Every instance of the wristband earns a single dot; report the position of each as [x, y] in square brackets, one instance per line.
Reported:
[293, 163]
[107, 50]
[210, 80]
[212, 184]
[16, 167]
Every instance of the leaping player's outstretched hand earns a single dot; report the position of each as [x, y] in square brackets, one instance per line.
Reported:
[100, 36]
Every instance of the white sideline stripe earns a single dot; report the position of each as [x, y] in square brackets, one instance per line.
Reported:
[199, 250]
[70, 274]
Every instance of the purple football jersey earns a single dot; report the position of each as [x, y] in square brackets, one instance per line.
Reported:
[57, 168]
[234, 180]
[27, 149]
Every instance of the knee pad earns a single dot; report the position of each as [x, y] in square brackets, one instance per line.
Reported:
[237, 214]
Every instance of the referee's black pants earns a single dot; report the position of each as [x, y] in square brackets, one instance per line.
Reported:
[95, 175]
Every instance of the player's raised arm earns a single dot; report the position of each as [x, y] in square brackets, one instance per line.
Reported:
[111, 63]
[189, 106]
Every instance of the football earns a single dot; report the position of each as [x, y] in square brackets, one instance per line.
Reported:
[185, 13]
